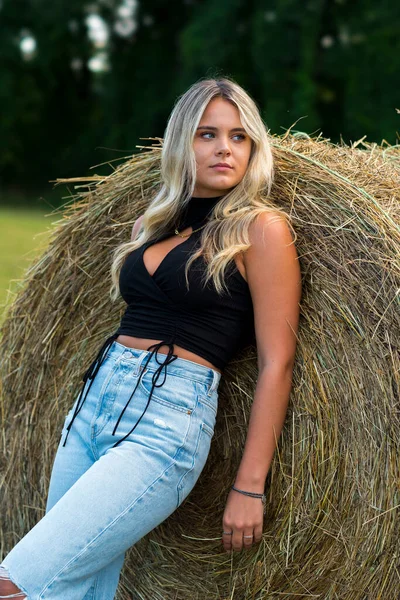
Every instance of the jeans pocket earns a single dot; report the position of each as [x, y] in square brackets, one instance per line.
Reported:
[177, 393]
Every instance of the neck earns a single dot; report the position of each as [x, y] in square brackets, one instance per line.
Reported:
[197, 211]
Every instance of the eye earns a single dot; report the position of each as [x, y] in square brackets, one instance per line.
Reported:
[240, 135]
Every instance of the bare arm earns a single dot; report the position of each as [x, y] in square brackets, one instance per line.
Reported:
[273, 274]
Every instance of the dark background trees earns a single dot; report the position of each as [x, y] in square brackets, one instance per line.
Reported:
[82, 82]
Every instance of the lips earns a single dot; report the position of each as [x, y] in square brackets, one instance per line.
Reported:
[222, 165]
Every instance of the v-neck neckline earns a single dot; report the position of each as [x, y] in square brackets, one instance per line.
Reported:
[152, 243]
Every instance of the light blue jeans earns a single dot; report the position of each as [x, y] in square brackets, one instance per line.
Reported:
[103, 497]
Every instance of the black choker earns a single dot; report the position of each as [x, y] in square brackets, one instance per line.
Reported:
[197, 211]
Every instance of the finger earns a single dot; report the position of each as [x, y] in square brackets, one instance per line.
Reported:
[227, 539]
[237, 540]
[257, 534]
[248, 538]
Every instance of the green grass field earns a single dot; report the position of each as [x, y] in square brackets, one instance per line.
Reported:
[24, 234]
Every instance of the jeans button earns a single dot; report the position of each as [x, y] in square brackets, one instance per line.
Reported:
[128, 354]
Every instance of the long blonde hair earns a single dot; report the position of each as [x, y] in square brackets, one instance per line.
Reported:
[226, 233]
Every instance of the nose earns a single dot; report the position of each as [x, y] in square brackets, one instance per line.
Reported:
[223, 149]
[222, 145]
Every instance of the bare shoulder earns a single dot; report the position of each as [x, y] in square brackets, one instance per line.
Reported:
[270, 236]
[136, 226]
[273, 276]
[269, 226]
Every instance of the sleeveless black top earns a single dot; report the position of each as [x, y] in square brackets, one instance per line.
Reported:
[160, 306]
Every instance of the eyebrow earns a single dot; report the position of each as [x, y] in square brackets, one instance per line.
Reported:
[216, 128]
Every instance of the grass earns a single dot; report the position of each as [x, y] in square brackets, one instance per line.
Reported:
[24, 234]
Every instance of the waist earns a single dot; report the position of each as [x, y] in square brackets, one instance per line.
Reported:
[143, 343]
[181, 366]
[202, 333]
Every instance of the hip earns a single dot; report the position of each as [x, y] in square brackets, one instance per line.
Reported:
[161, 423]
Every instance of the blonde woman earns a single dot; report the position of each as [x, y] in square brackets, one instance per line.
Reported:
[211, 260]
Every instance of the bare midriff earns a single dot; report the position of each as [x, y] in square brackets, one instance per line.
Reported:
[144, 343]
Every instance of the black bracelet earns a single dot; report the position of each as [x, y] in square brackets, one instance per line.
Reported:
[253, 495]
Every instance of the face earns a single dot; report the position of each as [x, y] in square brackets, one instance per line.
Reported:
[220, 138]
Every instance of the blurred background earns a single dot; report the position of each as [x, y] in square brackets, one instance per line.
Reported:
[82, 82]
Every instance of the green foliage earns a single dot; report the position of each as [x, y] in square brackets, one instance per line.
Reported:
[333, 65]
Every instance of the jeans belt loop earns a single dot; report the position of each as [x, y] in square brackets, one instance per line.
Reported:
[138, 363]
[213, 384]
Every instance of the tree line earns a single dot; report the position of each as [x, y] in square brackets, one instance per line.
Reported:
[330, 66]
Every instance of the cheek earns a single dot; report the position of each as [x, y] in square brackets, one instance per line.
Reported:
[201, 159]
[244, 160]
[200, 148]
[243, 167]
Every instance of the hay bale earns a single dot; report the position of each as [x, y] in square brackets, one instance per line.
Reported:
[332, 524]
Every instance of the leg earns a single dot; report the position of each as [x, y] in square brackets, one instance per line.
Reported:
[70, 463]
[7, 588]
[127, 492]
[123, 496]
[106, 582]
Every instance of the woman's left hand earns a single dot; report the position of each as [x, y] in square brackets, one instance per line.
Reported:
[242, 521]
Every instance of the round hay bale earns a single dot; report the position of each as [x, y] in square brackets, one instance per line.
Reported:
[332, 525]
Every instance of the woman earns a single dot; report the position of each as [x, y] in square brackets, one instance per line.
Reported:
[209, 261]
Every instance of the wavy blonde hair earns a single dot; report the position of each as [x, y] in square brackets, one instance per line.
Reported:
[226, 232]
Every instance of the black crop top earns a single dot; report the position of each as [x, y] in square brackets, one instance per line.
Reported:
[197, 318]
[160, 306]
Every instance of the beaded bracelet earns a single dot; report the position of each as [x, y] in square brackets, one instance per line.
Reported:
[254, 495]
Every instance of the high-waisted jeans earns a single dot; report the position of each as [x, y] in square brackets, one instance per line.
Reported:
[103, 496]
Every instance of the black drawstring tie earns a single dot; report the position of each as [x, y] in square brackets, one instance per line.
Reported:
[95, 366]
[90, 374]
[170, 357]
